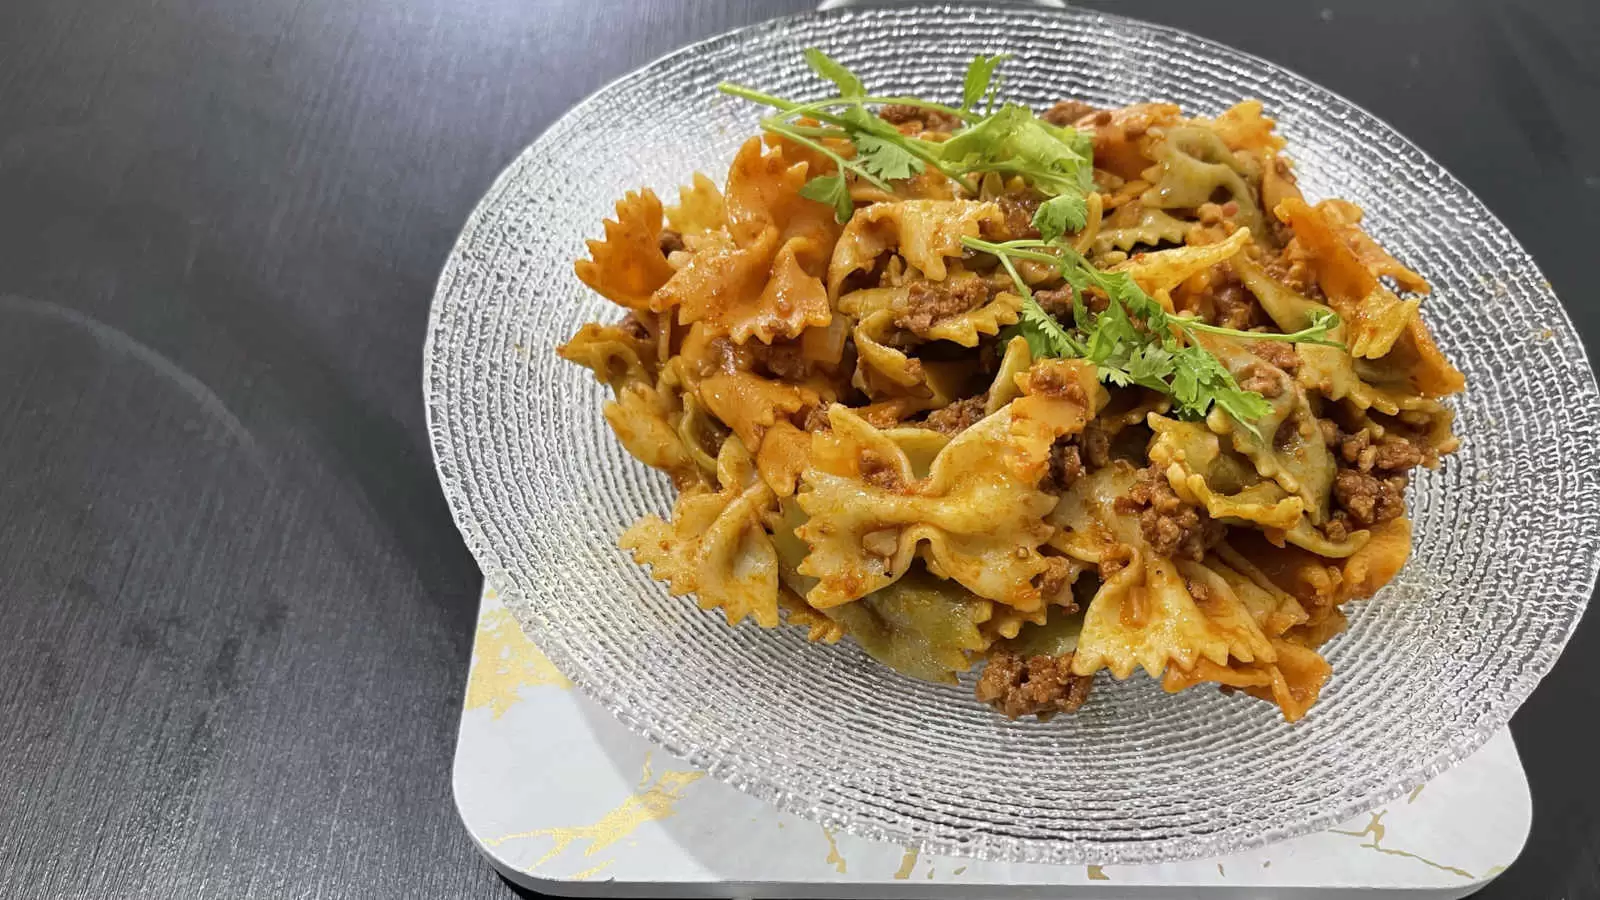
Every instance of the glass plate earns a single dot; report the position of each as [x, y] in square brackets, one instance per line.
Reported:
[1506, 538]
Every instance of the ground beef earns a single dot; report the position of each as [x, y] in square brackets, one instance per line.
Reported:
[1369, 499]
[1114, 560]
[958, 416]
[929, 119]
[1171, 526]
[1016, 217]
[1066, 463]
[1047, 381]
[1058, 302]
[817, 419]
[633, 327]
[1396, 455]
[880, 472]
[931, 302]
[1263, 379]
[785, 361]
[1065, 112]
[1391, 455]
[1055, 580]
[670, 241]
[1041, 686]
[1096, 446]
[1279, 353]
[1235, 307]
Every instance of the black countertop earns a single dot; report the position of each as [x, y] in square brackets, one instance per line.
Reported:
[237, 617]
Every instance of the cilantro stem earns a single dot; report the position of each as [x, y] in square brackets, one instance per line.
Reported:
[788, 131]
[1013, 249]
[818, 109]
[1310, 335]
[739, 90]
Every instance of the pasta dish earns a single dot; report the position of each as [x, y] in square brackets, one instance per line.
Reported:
[1092, 389]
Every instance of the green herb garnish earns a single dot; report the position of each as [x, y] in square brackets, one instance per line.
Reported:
[1134, 341]
[1009, 141]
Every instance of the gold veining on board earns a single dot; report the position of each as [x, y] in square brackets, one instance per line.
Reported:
[504, 662]
[834, 859]
[907, 863]
[1221, 871]
[1415, 793]
[958, 870]
[1376, 830]
[1098, 873]
[587, 874]
[656, 803]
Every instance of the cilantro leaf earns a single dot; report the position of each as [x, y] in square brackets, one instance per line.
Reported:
[834, 71]
[1061, 215]
[979, 73]
[885, 158]
[1044, 334]
[832, 190]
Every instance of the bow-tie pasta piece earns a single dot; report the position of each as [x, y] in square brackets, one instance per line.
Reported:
[628, 266]
[924, 233]
[977, 518]
[715, 546]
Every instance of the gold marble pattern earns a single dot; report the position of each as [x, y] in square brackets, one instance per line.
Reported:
[504, 662]
[834, 859]
[651, 804]
[1377, 831]
[907, 863]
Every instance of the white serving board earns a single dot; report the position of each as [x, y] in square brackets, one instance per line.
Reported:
[563, 799]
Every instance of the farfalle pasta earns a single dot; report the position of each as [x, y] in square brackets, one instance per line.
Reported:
[1092, 390]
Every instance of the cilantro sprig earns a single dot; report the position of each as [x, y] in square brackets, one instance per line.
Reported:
[1134, 340]
[1010, 141]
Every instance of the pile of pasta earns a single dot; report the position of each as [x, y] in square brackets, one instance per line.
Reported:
[862, 446]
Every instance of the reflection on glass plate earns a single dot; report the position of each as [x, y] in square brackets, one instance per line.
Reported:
[1506, 537]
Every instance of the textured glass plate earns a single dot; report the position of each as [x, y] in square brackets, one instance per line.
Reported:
[1506, 533]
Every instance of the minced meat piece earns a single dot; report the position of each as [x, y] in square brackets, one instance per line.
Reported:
[1096, 446]
[1396, 455]
[1235, 307]
[929, 119]
[1369, 499]
[634, 327]
[1392, 454]
[1041, 686]
[879, 472]
[1055, 580]
[958, 416]
[931, 302]
[1279, 353]
[1066, 463]
[670, 241]
[1065, 112]
[817, 419]
[1356, 451]
[1047, 381]
[1016, 217]
[785, 361]
[1263, 379]
[1171, 526]
[1057, 303]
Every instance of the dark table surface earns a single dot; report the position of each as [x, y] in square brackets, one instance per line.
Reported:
[236, 616]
